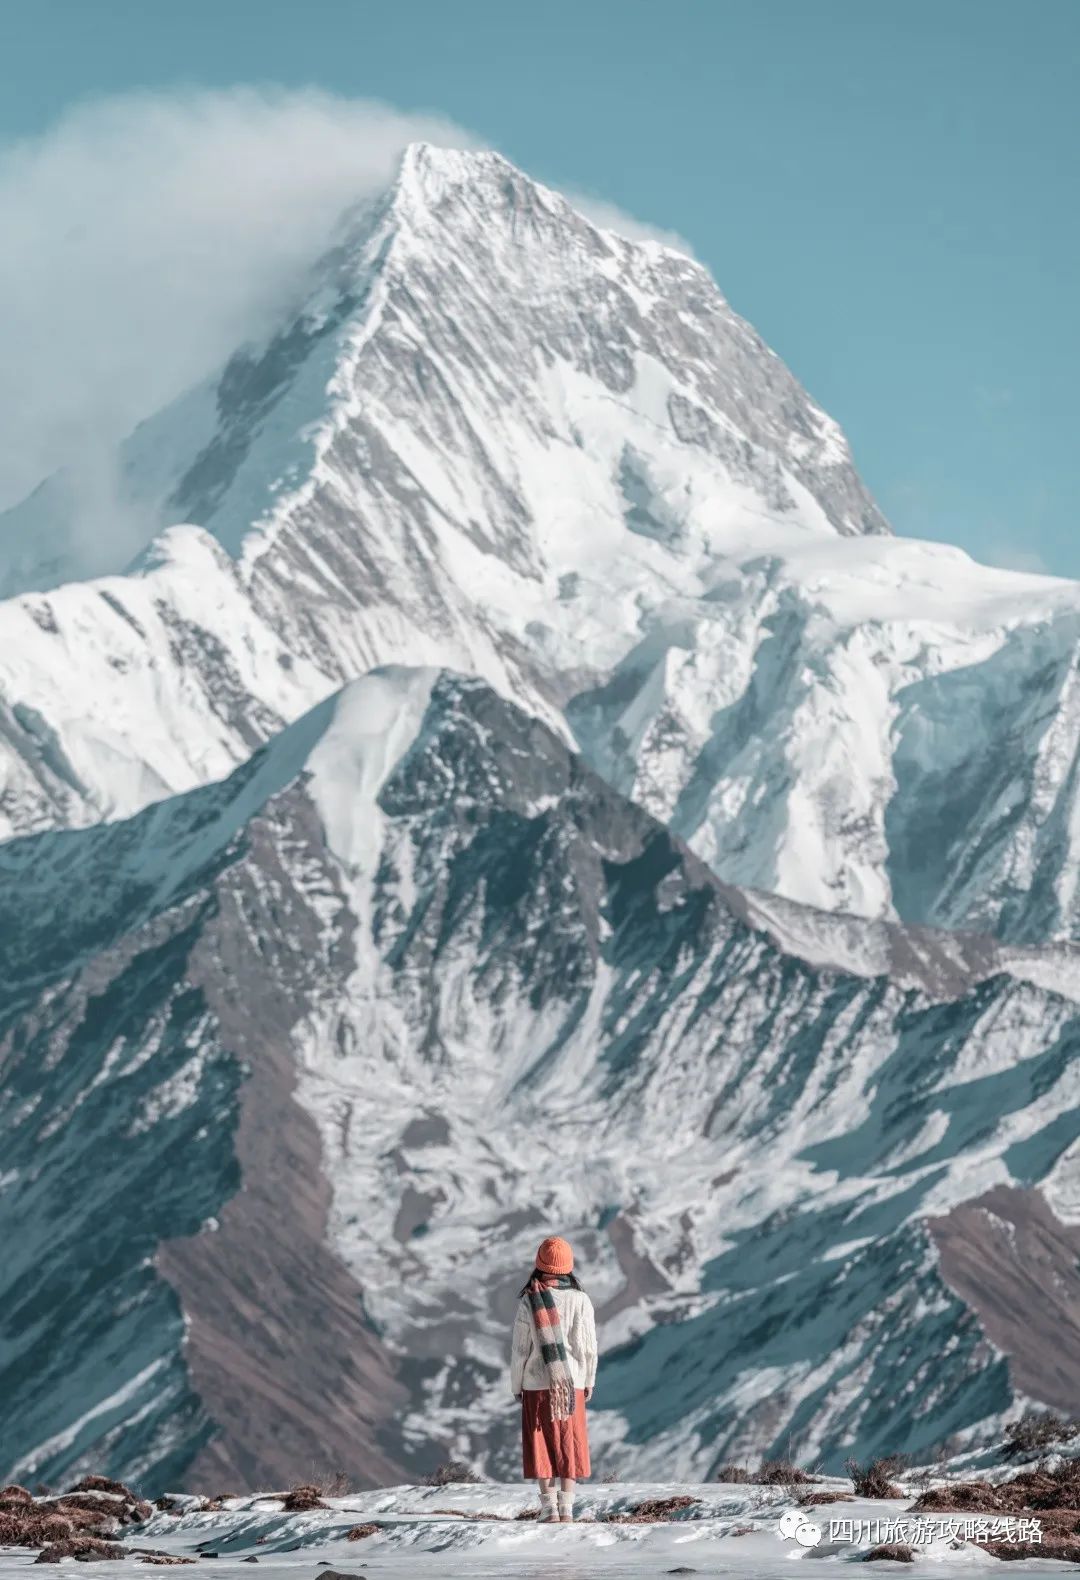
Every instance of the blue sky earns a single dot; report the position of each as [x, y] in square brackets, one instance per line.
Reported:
[887, 191]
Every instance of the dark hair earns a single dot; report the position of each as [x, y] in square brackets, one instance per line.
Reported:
[538, 1272]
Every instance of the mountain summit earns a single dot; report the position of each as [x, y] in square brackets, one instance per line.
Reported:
[514, 332]
[497, 438]
[527, 345]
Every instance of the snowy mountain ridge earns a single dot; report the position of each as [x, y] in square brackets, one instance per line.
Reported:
[196, 461]
[501, 440]
[418, 891]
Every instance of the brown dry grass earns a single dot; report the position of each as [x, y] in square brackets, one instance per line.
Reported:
[897, 1552]
[128, 1510]
[1037, 1431]
[298, 1499]
[962, 1497]
[469, 1514]
[91, 1512]
[659, 1508]
[875, 1479]
[84, 1547]
[358, 1532]
[32, 1528]
[454, 1473]
[780, 1473]
[651, 1511]
[1033, 1490]
[1060, 1532]
[1051, 1496]
[104, 1484]
[770, 1473]
[1068, 1552]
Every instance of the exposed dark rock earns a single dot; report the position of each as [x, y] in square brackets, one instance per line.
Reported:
[257, 1288]
[1018, 1267]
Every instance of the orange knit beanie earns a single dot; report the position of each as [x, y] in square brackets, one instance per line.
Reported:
[555, 1256]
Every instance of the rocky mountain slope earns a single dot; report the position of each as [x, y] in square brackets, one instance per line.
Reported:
[324, 997]
[308, 1059]
[497, 438]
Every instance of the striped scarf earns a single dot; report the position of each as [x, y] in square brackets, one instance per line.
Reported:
[549, 1335]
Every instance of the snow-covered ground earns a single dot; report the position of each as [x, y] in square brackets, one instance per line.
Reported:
[474, 1531]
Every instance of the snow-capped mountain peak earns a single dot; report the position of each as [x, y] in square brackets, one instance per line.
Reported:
[498, 438]
[478, 270]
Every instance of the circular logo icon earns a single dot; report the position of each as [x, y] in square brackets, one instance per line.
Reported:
[807, 1534]
[793, 1523]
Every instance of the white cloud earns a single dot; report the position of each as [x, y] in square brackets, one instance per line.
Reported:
[145, 237]
[610, 217]
[1012, 557]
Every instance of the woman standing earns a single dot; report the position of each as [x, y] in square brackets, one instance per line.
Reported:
[553, 1373]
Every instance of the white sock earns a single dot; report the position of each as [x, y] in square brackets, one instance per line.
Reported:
[547, 1504]
[566, 1502]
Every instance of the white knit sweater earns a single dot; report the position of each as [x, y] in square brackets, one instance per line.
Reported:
[527, 1369]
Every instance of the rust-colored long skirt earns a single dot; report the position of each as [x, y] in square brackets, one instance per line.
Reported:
[553, 1448]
